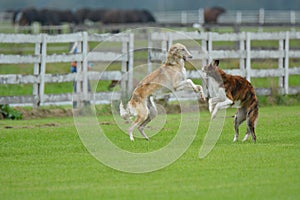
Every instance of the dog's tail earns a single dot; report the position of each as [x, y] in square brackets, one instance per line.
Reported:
[123, 112]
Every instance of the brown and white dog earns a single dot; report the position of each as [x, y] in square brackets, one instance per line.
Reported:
[234, 91]
[172, 75]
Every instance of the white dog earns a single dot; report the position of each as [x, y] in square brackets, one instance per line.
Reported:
[171, 74]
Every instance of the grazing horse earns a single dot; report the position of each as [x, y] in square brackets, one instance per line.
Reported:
[211, 14]
[127, 16]
[27, 16]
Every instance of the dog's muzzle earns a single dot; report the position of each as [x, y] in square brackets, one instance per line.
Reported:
[184, 57]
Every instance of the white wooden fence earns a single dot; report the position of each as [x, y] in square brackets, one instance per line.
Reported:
[234, 18]
[260, 17]
[245, 54]
[41, 58]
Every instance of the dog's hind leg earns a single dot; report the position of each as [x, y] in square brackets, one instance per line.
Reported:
[130, 131]
[152, 114]
[142, 127]
[142, 115]
[152, 108]
[138, 122]
[239, 118]
[251, 120]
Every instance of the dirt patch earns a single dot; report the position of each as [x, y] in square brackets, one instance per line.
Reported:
[106, 123]
[101, 110]
[32, 126]
[44, 113]
[48, 125]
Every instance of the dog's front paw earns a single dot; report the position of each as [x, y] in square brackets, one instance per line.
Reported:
[202, 97]
[198, 88]
[214, 114]
[235, 139]
[131, 138]
[210, 105]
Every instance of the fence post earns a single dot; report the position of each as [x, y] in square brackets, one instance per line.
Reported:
[183, 17]
[36, 28]
[36, 72]
[169, 40]
[124, 71]
[150, 46]
[286, 63]
[248, 56]
[78, 81]
[242, 44]
[201, 17]
[238, 19]
[127, 66]
[293, 20]
[261, 16]
[261, 19]
[130, 52]
[164, 46]
[42, 69]
[209, 47]
[204, 48]
[85, 89]
[280, 63]
[204, 45]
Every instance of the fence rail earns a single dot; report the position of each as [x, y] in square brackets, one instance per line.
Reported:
[40, 59]
[232, 18]
[244, 53]
[260, 16]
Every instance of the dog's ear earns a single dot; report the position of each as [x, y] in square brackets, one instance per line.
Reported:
[173, 49]
[216, 62]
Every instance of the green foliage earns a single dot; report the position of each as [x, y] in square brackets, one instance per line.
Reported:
[10, 113]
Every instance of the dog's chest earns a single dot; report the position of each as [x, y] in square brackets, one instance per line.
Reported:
[183, 72]
[180, 75]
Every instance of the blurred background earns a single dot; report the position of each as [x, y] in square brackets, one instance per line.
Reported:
[163, 13]
[154, 5]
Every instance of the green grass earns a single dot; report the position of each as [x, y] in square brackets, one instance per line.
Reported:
[45, 159]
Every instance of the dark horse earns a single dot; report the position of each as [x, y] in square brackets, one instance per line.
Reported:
[211, 14]
[45, 17]
[114, 16]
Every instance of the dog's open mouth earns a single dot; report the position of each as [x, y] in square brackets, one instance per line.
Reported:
[184, 57]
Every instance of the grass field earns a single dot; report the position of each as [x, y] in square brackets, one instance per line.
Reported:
[45, 159]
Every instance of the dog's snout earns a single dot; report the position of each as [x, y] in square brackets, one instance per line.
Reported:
[188, 54]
